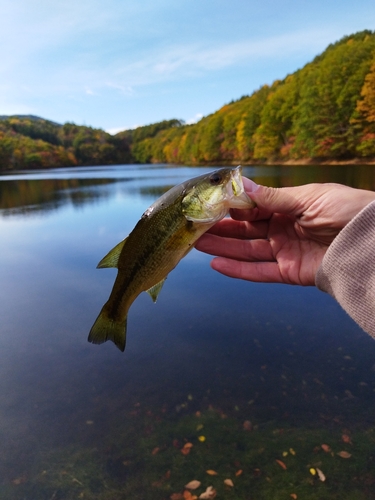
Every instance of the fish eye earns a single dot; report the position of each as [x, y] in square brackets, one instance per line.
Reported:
[215, 179]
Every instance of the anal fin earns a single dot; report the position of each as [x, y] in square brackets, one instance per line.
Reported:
[155, 290]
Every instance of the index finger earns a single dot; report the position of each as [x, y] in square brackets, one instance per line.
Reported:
[240, 229]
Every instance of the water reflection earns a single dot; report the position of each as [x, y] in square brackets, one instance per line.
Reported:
[43, 191]
[84, 421]
[358, 176]
[30, 196]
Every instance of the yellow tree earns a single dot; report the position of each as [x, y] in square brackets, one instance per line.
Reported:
[366, 110]
[366, 106]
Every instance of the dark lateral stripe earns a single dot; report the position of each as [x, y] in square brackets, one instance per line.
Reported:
[159, 237]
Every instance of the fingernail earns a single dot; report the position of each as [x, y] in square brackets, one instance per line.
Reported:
[249, 185]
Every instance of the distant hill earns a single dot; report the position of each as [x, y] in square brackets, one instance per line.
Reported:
[32, 142]
[28, 141]
[322, 112]
[29, 117]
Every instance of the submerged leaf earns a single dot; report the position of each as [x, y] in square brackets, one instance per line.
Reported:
[211, 472]
[346, 439]
[208, 494]
[344, 454]
[281, 463]
[193, 485]
[326, 448]
[247, 425]
[228, 482]
[185, 450]
[321, 476]
[188, 496]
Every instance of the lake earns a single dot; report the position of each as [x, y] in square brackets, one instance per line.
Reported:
[246, 381]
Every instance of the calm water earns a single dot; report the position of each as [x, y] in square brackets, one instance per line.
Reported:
[83, 421]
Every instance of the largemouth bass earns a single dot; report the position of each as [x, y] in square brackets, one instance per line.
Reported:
[165, 233]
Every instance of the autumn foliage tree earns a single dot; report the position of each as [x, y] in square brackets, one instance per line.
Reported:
[366, 115]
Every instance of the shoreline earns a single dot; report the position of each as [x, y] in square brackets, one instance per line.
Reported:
[310, 161]
[298, 163]
[303, 162]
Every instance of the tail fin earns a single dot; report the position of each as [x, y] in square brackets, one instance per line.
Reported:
[105, 329]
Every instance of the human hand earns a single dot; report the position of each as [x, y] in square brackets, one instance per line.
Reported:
[283, 239]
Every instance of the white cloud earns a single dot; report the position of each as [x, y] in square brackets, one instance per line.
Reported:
[124, 89]
[195, 119]
[89, 91]
[116, 130]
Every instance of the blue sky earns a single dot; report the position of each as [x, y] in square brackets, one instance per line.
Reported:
[117, 64]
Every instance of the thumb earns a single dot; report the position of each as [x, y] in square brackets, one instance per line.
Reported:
[280, 200]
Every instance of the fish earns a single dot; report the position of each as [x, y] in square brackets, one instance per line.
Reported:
[164, 235]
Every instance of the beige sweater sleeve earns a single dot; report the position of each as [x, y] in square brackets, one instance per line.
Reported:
[347, 271]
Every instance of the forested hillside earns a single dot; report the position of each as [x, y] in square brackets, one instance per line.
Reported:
[325, 111]
[32, 142]
[322, 112]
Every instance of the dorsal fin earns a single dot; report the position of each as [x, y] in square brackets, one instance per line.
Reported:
[111, 259]
[155, 290]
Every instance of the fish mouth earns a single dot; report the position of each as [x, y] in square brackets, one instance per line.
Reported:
[231, 194]
[237, 196]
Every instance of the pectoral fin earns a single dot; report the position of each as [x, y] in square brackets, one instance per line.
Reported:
[155, 290]
[112, 257]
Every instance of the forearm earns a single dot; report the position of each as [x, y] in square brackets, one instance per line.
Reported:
[347, 271]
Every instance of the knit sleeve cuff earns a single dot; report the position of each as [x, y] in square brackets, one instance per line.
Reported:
[347, 271]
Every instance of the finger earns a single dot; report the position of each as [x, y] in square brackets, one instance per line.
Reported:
[240, 229]
[261, 211]
[249, 185]
[250, 214]
[260, 272]
[244, 250]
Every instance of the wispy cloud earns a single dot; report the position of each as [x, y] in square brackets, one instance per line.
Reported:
[124, 89]
[116, 130]
[184, 61]
[194, 119]
[89, 91]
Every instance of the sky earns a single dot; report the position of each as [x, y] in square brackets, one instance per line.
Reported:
[119, 64]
